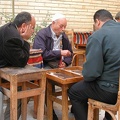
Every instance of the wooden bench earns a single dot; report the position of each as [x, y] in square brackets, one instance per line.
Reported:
[22, 77]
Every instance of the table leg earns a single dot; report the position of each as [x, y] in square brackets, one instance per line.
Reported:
[41, 98]
[24, 103]
[35, 103]
[64, 102]
[13, 99]
[35, 107]
[49, 101]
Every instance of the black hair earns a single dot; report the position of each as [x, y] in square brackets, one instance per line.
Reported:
[102, 15]
[117, 17]
[23, 17]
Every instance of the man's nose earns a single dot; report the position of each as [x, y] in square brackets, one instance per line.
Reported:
[63, 28]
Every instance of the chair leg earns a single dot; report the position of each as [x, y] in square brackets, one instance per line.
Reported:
[90, 112]
[112, 113]
[96, 114]
[119, 113]
[35, 107]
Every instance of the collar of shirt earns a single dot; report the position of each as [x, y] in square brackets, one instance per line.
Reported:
[57, 40]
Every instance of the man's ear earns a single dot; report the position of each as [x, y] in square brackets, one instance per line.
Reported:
[98, 22]
[23, 27]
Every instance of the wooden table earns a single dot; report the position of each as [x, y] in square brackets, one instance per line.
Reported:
[63, 78]
[22, 77]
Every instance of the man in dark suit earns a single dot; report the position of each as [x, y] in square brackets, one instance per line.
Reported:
[14, 48]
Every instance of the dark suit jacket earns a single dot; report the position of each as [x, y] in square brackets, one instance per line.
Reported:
[14, 51]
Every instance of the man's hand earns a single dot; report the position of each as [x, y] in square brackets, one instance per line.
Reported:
[65, 53]
[62, 65]
[26, 32]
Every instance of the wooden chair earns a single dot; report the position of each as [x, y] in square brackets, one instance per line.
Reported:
[111, 109]
[76, 52]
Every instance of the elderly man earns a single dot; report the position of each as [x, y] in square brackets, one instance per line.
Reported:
[14, 48]
[57, 51]
[49, 40]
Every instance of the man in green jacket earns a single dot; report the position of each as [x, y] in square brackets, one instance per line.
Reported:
[101, 69]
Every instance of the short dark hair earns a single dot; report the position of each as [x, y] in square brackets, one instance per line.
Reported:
[102, 15]
[23, 17]
[117, 17]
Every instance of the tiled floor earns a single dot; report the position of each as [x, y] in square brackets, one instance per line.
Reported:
[58, 110]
